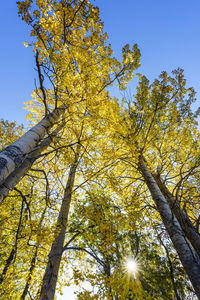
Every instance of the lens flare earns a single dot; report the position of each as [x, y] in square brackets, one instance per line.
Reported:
[132, 266]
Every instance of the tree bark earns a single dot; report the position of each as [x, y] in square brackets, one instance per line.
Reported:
[190, 231]
[14, 178]
[188, 256]
[51, 274]
[13, 156]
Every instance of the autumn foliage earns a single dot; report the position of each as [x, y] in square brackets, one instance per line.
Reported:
[107, 179]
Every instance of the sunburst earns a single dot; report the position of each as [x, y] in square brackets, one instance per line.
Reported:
[132, 266]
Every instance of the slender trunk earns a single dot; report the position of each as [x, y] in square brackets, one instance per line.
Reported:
[8, 263]
[13, 252]
[12, 180]
[190, 231]
[170, 264]
[33, 260]
[188, 257]
[32, 267]
[51, 274]
[13, 156]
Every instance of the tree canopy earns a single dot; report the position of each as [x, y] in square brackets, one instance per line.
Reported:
[100, 190]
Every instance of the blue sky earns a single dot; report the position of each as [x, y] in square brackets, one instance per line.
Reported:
[167, 33]
[16, 64]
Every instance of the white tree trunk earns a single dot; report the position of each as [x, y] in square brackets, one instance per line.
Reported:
[12, 180]
[12, 156]
[190, 231]
[188, 257]
[51, 274]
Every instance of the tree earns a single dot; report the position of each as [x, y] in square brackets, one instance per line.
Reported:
[188, 257]
[77, 87]
[83, 154]
[62, 55]
[13, 156]
[12, 180]
[24, 226]
[104, 239]
[158, 113]
[51, 273]
[144, 152]
[190, 230]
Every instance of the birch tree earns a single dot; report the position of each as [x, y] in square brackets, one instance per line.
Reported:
[147, 148]
[189, 258]
[74, 60]
[55, 255]
[14, 155]
[82, 157]
[157, 124]
[190, 230]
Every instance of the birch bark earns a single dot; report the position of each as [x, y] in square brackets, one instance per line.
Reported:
[188, 257]
[13, 156]
[14, 178]
[190, 231]
[51, 274]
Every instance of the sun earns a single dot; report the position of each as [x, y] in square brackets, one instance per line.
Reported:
[132, 266]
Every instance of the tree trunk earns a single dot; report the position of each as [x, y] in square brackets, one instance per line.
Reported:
[31, 270]
[171, 269]
[51, 274]
[12, 180]
[13, 156]
[33, 260]
[188, 257]
[183, 219]
[8, 263]
[13, 252]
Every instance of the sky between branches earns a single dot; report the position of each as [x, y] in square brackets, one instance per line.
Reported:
[167, 33]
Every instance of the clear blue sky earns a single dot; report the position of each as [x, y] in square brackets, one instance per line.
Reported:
[167, 33]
